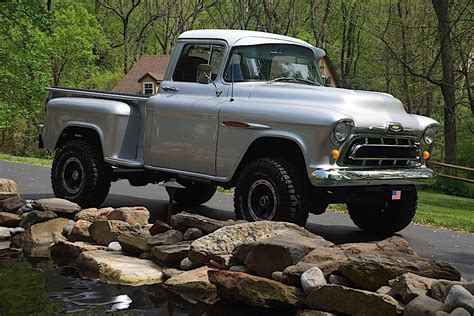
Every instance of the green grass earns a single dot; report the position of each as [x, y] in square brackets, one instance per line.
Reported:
[434, 209]
[26, 160]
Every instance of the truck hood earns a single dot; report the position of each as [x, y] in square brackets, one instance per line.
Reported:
[366, 108]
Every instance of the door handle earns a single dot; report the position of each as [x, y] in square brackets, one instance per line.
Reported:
[170, 88]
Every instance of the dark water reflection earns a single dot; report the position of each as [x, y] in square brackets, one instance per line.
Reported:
[40, 286]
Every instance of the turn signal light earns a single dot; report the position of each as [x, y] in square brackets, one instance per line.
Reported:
[335, 154]
[426, 155]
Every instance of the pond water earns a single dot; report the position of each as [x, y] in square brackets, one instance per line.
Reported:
[40, 286]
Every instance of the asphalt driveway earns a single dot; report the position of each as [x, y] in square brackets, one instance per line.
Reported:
[440, 244]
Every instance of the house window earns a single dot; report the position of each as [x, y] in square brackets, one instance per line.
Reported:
[148, 88]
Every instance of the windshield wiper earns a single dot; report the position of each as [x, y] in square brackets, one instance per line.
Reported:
[294, 79]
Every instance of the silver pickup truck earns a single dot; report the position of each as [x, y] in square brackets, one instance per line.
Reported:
[248, 110]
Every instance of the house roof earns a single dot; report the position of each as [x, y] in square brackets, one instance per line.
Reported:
[153, 65]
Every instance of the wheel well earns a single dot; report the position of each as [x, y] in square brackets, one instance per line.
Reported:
[85, 133]
[273, 147]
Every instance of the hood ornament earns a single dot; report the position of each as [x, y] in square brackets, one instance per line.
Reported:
[394, 127]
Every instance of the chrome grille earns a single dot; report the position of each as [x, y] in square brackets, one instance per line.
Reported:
[383, 151]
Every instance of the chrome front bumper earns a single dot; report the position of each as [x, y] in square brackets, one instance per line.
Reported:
[364, 177]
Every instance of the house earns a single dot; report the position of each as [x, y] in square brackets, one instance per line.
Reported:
[327, 69]
[145, 75]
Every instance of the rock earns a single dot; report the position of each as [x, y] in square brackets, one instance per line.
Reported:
[159, 227]
[370, 271]
[340, 280]
[312, 279]
[186, 264]
[183, 221]
[167, 238]
[10, 204]
[145, 255]
[239, 268]
[132, 215]
[119, 269]
[171, 273]
[57, 205]
[72, 250]
[344, 300]
[440, 288]
[192, 233]
[409, 285]
[460, 312]
[135, 242]
[114, 246]
[67, 229]
[255, 290]
[458, 296]
[4, 233]
[36, 217]
[9, 186]
[16, 230]
[384, 290]
[276, 253]
[171, 253]
[311, 312]
[80, 231]
[40, 234]
[224, 240]
[4, 244]
[9, 219]
[277, 276]
[104, 232]
[422, 305]
[194, 286]
[93, 215]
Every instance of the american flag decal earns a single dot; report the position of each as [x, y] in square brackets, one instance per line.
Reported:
[396, 195]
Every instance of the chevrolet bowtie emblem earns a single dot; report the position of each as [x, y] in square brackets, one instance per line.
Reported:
[395, 127]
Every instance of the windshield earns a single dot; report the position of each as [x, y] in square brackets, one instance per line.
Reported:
[273, 62]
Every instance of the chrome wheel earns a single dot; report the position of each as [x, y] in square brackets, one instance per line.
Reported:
[72, 175]
[262, 200]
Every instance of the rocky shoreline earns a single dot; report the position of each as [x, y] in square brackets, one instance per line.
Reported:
[262, 264]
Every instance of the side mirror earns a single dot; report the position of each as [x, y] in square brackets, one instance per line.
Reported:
[327, 80]
[204, 73]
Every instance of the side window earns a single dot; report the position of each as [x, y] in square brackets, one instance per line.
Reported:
[195, 54]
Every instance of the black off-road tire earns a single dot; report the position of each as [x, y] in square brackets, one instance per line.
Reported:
[382, 215]
[290, 191]
[196, 193]
[94, 173]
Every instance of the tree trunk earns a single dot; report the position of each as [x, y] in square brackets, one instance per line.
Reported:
[441, 8]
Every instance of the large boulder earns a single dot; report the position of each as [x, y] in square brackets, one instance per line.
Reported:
[10, 202]
[71, 250]
[135, 242]
[408, 286]
[9, 219]
[9, 186]
[171, 253]
[57, 205]
[312, 279]
[169, 237]
[267, 255]
[80, 231]
[344, 300]
[183, 221]
[104, 232]
[422, 305]
[35, 217]
[255, 290]
[457, 297]
[118, 269]
[93, 215]
[40, 234]
[440, 288]
[224, 240]
[370, 271]
[193, 286]
[132, 215]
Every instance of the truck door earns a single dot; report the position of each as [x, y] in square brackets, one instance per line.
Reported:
[184, 129]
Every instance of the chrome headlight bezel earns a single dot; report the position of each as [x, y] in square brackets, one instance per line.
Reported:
[341, 131]
[429, 134]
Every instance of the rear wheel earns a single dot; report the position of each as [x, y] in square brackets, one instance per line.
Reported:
[271, 189]
[79, 174]
[380, 214]
[195, 193]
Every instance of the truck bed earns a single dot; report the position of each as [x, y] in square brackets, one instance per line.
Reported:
[58, 92]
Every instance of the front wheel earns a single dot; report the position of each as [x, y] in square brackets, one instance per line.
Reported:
[79, 174]
[382, 214]
[271, 189]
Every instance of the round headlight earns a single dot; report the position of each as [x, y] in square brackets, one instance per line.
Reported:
[430, 134]
[342, 130]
